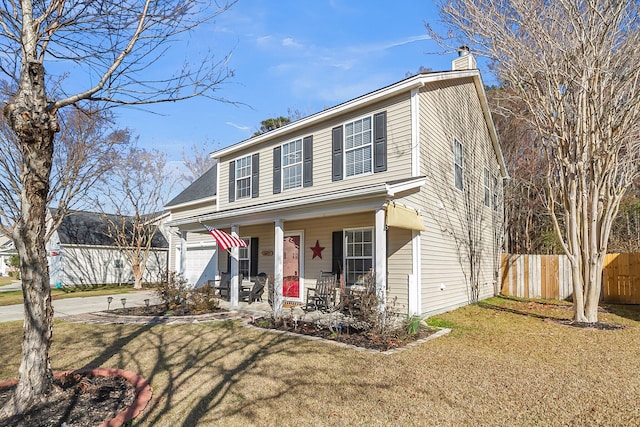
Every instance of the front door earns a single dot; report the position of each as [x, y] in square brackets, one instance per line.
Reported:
[292, 267]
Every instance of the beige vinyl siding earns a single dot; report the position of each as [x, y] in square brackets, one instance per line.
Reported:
[451, 110]
[193, 210]
[399, 266]
[398, 162]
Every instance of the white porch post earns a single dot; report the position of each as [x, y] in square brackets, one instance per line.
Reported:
[235, 283]
[278, 256]
[415, 279]
[381, 259]
[183, 253]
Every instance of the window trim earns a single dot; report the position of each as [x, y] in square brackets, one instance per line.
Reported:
[487, 187]
[346, 250]
[457, 143]
[371, 146]
[247, 240]
[495, 192]
[300, 163]
[248, 177]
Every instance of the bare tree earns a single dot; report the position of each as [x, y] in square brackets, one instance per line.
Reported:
[576, 67]
[197, 161]
[114, 49]
[528, 226]
[131, 204]
[88, 145]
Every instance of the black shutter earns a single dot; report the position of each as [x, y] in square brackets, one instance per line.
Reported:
[277, 169]
[253, 247]
[307, 164]
[336, 253]
[380, 142]
[232, 181]
[255, 184]
[336, 142]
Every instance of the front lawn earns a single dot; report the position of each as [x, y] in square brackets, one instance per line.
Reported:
[505, 363]
[15, 297]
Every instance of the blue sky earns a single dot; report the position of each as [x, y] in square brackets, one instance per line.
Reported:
[292, 54]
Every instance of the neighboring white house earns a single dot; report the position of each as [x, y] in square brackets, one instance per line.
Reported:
[405, 181]
[80, 252]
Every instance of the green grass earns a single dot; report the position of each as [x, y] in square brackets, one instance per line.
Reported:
[508, 363]
[15, 297]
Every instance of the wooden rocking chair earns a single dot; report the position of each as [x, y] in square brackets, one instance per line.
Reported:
[323, 296]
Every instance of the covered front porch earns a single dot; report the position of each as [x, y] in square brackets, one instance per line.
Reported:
[295, 240]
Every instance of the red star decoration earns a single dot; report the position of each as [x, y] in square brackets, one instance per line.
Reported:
[317, 250]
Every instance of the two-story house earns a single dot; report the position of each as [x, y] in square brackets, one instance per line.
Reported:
[405, 181]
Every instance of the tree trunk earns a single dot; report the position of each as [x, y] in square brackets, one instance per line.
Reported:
[35, 127]
[137, 276]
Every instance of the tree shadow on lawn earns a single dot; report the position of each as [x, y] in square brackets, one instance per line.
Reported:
[628, 311]
[182, 362]
[540, 306]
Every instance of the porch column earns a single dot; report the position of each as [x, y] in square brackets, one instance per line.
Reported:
[381, 258]
[183, 253]
[278, 257]
[235, 283]
[415, 279]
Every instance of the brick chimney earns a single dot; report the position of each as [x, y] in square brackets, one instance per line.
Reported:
[464, 61]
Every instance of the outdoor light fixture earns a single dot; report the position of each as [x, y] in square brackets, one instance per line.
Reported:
[123, 301]
[109, 299]
[146, 303]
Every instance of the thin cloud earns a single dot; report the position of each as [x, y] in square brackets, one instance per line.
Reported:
[290, 42]
[239, 127]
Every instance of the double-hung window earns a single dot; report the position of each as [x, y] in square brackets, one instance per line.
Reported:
[243, 177]
[292, 165]
[487, 188]
[458, 160]
[358, 147]
[244, 259]
[359, 253]
[495, 192]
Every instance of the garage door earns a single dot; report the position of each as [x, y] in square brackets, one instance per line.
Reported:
[201, 265]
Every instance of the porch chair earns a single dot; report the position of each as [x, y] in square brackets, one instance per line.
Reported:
[224, 286]
[323, 296]
[257, 289]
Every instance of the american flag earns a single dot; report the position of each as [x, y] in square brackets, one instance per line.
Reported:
[225, 240]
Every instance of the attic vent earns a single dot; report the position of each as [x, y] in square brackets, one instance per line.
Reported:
[464, 61]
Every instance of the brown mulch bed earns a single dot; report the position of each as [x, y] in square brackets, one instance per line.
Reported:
[359, 337]
[163, 310]
[77, 400]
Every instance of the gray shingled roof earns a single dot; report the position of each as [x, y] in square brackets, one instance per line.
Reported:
[202, 188]
[90, 228]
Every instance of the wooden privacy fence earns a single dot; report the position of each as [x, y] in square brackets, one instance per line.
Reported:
[549, 277]
[536, 276]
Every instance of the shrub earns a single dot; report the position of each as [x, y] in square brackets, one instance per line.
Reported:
[178, 293]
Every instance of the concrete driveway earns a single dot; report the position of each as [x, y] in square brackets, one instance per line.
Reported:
[68, 306]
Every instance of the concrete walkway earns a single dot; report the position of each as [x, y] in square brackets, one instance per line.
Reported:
[71, 306]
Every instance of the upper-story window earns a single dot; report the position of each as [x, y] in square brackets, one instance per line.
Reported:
[243, 177]
[496, 183]
[487, 188]
[458, 160]
[358, 147]
[292, 164]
